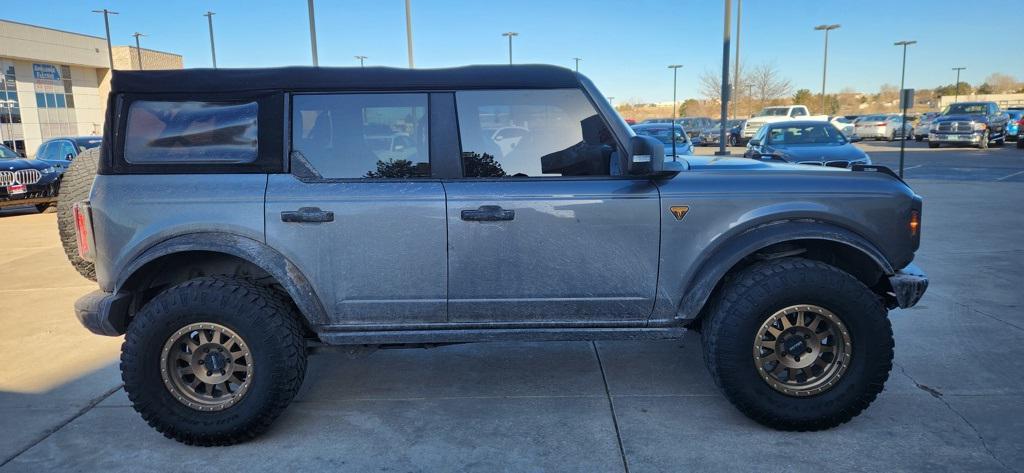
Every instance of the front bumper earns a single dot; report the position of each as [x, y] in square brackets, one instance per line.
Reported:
[953, 138]
[908, 285]
[103, 313]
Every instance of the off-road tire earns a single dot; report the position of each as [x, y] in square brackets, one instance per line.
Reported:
[760, 290]
[267, 324]
[75, 185]
[932, 144]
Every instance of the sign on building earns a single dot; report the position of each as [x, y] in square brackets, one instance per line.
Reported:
[45, 71]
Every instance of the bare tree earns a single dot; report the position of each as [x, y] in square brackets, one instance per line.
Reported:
[767, 84]
[1002, 83]
[711, 85]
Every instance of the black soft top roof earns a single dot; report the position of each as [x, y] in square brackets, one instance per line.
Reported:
[344, 78]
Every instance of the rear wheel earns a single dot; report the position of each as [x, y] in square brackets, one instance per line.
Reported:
[797, 344]
[75, 185]
[1020, 142]
[933, 144]
[918, 138]
[213, 361]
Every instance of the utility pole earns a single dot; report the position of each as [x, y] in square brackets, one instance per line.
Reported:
[138, 48]
[577, 59]
[958, 69]
[675, 106]
[213, 49]
[824, 67]
[725, 79]
[106, 24]
[903, 95]
[510, 34]
[312, 32]
[736, 67]
[408, 32]
[361, 59]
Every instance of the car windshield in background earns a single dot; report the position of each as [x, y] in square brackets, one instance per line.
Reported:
[966, 108]
[774, 112]
[815, 134]
[6, 153]
[88, 143]
[873, 118]
[663, 135]
[689, 123]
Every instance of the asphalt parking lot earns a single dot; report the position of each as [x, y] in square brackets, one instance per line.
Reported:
[954, 401]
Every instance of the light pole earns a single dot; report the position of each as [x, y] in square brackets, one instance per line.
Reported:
[750, 98]
[312, 32]
[725, 79]
[213, 49]
[138, 49]
[577, 59]
[824, 67]
[408, 31]
[958, 69]
[903, 123]
[675, 109]
[510, 34]
[736, 67]
[361, 59]
[106, 23]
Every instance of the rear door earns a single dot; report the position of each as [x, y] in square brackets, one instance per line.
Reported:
[547, 231]
[360, 213]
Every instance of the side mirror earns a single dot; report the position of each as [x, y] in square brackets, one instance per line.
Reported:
[754, 142]
[69, 157]
[647, 156]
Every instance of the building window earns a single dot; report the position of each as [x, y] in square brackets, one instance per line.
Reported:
[10, 109]
[55, 100]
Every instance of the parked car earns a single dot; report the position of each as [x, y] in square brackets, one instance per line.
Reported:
[26, 181]
[658, 120]
[924, 123]
[1020, 133]
[218, 261]
[697, 128]
[883, 127]
[732, 133]
[806, 142]
[59, 152]
[1014, 124]
[663, 133]
[844, 125]
[777, 114]
[973, 123]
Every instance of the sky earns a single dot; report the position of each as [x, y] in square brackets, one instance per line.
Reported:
[625, 46]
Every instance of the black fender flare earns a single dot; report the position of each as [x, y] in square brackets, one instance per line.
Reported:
[258, 253]
[725, 256]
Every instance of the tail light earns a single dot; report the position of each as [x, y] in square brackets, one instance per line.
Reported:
[83, 230]
[915, 222]
[1020, 122]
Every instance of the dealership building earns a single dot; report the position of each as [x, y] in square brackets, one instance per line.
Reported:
[55, 83]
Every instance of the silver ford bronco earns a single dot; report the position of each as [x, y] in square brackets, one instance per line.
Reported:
[237, 216]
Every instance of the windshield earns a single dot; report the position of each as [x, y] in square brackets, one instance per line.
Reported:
[807, 134]
[90, 143]
[6, 153]
[773, 112]
[663, 135]
[690, 123]
[966, 108]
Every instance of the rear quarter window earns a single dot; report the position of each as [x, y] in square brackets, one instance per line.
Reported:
[191, 132]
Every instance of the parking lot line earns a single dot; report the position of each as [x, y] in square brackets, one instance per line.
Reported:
[1011, 175]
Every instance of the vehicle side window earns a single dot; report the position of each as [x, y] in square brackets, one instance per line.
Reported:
[164, 132]
[532, 133]
[355, 136]
[41, 153]
[64, 148]
[799, 112]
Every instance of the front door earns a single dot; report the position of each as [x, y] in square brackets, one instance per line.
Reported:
[359, 214]
[539, 230]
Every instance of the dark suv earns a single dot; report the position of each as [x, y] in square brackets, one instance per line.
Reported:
[239, 213]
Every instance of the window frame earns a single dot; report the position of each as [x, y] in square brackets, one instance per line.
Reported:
[306, 173]
[620, 147]
[270, 157]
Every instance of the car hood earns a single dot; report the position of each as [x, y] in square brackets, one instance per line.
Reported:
[963, 117]
[821, 153]
[19, 164]
[717, 163]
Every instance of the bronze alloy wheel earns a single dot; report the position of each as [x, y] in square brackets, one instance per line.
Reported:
[802, 350]
[206, 366]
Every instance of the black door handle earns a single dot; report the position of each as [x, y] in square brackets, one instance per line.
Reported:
[307, 215]
[488, 213]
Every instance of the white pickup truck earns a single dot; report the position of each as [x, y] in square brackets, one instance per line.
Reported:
[776, 114]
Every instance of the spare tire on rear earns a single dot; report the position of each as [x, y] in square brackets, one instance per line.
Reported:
[75, 185]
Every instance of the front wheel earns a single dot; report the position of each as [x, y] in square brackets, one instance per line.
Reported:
[983, 143]
[918, 139]
[932, 144]
[1020, 143]
[797, 344]
[213, 361]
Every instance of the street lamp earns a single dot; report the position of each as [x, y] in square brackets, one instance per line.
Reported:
[675, 108]
[213, 49]
[577, 59]
[736, 68]
[824, 67]
[725, 79]
[903, 124]
[408, 32]
[312, 32]
[138, 49]
[361, 59]
[958, 69]
[106, 23]
[510, 34]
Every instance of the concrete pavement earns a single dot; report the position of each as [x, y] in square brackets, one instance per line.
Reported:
[954, 401]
